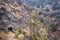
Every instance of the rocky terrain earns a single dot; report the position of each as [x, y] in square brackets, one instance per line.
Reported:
[29, 19]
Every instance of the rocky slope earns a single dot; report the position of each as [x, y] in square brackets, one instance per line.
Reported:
[15, 14]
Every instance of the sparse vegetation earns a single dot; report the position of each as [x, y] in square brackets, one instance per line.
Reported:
[28, 22]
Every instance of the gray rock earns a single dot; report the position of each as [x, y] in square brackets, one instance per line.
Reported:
[7, 18]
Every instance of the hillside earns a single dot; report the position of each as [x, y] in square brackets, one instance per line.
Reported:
[29, 19]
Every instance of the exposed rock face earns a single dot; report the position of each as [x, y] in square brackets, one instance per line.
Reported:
[7, 18]
[14, 14]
